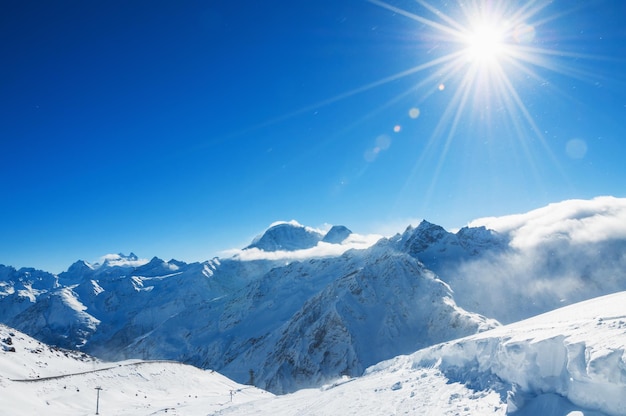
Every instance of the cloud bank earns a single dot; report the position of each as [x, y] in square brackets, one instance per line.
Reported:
[578, 221]
[560, 254]
[322, 249]
[120, 260]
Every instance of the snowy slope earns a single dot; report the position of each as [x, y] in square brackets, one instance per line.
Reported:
[141, 388]
[38, 379]
[569, 362]
[23, 357]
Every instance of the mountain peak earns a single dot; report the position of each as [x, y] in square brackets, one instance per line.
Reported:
[121, 260]
[289, 236]
[337, 234]
[426, 225]
[418, 239]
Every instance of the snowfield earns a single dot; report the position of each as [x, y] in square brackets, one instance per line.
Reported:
[570, 361]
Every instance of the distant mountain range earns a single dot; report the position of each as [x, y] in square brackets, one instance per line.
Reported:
[286, 324]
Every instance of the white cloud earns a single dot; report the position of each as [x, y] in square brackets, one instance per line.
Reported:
[322, 249]
[578, 221]
[121, 260]
[562, 253]
[321, 230]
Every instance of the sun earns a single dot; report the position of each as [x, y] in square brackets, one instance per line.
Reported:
[486, 54]
[485, 47]
[485, 44]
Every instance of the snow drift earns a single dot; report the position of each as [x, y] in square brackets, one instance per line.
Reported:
[571, 357]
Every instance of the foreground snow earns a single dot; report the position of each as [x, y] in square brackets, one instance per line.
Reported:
[570, 358]
[37, 379]
[567, 362]
[142, 388]
[404, 391]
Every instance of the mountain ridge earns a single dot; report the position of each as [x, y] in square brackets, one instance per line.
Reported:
[226, 313]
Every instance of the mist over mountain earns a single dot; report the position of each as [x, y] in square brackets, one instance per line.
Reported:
[294, 322]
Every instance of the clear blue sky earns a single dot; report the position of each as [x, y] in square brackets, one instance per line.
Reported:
[183, 128]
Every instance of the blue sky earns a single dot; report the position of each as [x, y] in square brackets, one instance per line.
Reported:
[180, 129]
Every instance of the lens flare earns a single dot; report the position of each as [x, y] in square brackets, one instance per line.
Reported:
[414, 112]
[489, 55]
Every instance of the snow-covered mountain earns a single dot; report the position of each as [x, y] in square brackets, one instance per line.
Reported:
[288, 236]
[570, 362]
[288, 325]
[300, 324]
[437, 248]
[298, 321]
